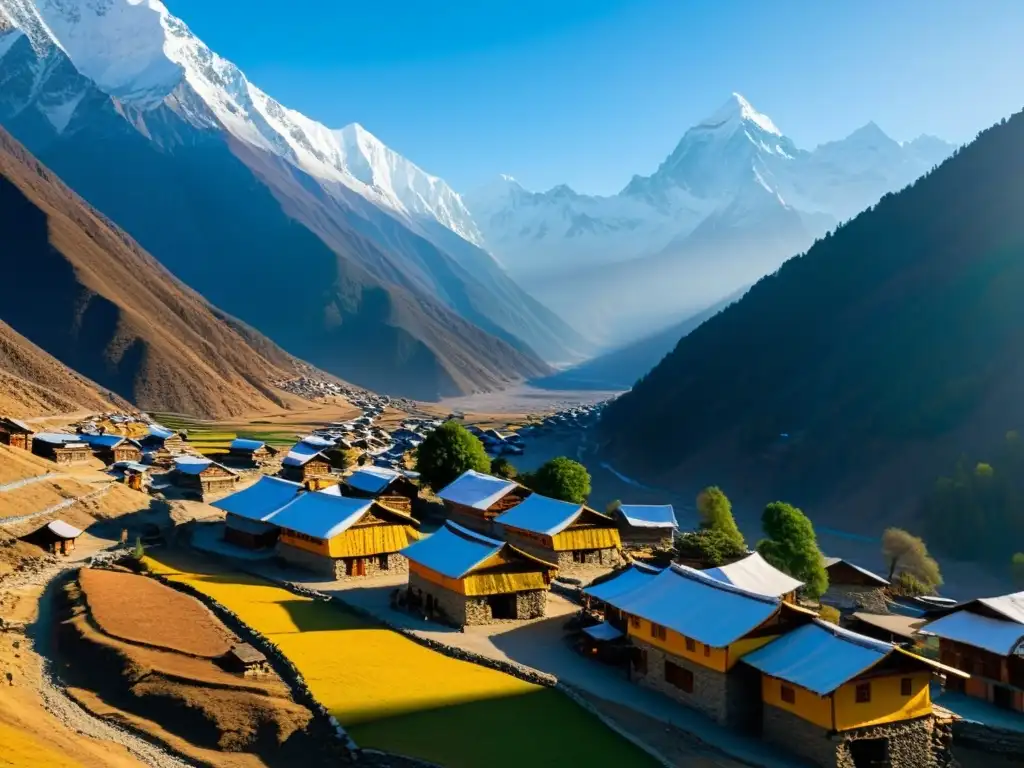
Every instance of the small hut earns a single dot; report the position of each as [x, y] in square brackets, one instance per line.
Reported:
[60, 448]
[250, 511]
[245, 660]
[474, 499]
[14, 433]
[133, 474]
[111, 449]
[337, 536]
[646, 525]
[203, 476]
[159, 438]
[56, 536]
[850, 586]
[307, 460]
[252, 452]
[755, 574]
[467, 578]
[390, 487]
[561, 532]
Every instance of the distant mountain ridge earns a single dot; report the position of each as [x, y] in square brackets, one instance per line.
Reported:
[733, 188]
[337, 247]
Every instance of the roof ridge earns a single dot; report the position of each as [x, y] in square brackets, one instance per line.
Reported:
[465, 533]
[694, 575]
[856, 638]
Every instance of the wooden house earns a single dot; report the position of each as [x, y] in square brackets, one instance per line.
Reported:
[561, 532]
[133, 474]
[254, 453]
[985, 639]
[474, 500]
[61, 448]
[463, 577]
[600, 596]
[202, 476]
[755, 574]
[646, 525]
[250, 512]
[689, 631]
[850, 586]
[159, 438]
[56, 537]
[390, 487]
[16, 434]
[838, 698]
[245, 660]
[307, 460]
[111, 449]
[337, 536]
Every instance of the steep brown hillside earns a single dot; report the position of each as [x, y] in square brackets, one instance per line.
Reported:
[84, 291]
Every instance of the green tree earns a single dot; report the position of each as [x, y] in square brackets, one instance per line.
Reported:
[502, 467]
[613, 507]
[792, 546]
[447, 452]
[138, 551]
[908, 553]
[829, 614]
[716, 514]
[562, 478]
[710, 546]
[1017, 569]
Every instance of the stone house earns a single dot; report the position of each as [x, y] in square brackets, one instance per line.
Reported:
[391, 487]
[61, 448]
[339, 537]
[851, 587]
[646, 525]
[561, 532]
[16, 434]
[985, 639]
[755, 574]
[464, 577]
[838, 698]
[202, 476]
[253, 453]
[689, 632]
[159, 438]
[474, 500]
[251, 510]
[111, 449]
[306, 460]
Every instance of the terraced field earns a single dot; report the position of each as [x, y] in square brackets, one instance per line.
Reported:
[396, 695]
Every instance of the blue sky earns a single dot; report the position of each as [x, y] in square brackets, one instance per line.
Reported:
[589, 92]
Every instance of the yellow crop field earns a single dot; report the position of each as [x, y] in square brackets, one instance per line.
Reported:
[20, 749]
[396, 695]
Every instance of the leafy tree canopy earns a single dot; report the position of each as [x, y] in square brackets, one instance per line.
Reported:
[716, 514]
[907, 553]
[792, 546]
[1017, 568]
[447, 452]
[502, 467]
[562, 478]
[711, 546]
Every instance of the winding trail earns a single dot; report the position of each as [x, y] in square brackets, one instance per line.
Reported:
[29, 481]
[55, 507]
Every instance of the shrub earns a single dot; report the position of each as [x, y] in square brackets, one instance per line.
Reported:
[447, 452]
[562, 478]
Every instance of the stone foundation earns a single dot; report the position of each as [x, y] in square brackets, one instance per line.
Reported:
[910, 741]
[607, 557]
[731, 698]
[337, 568]
[460, 610]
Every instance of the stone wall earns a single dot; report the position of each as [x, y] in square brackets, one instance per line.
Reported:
[531, 605]
[608, 557]
[910, 741]
[460, 610]
[395, 563]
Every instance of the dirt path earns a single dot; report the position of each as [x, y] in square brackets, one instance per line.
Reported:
[28, 481]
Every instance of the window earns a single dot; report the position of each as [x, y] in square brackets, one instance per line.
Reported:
[634, 622]
[707, 649]
[906, 686]
[657, 631]
[679, 677]
[863, 693]
[690, 645]
[787, 694]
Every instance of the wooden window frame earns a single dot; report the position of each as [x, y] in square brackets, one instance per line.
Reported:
[658, 632]
[679, 677]
[906, 686]
[691, 645]
[862, 693]
[787, 693]
[707, 650]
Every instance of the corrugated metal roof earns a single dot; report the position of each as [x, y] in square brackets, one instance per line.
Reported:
[627, 580]
[261, 499]
[698, 606]
[301, 454]
[541, 514]
[603, 631]
[155, 430]
[756, 574]
[244, 444]
[321, 515]
[990, 634]
[64, 530]
[1011, 606]
[106, 441]
[649, 515]
[830, 561]
[452, 550]
[904, 626]
[194, 465]
[372, 479]
[819, 656]
[475, 489]
[59, 438]
[15, 422]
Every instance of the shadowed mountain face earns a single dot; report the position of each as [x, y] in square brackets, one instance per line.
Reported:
[83, 291]
[891, 346]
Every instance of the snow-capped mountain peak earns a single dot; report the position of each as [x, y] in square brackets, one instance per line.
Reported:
[737, 110]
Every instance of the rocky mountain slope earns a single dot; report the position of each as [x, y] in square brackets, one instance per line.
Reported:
[81, 289]
[734, 199]
[862, 369]
[332, 244]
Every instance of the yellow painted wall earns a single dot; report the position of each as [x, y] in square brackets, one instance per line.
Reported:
[479, 584]
[806, 705]
[586, 538]
[675, 644]
[363, 541]
[746, 645]
[887, 705]
[319, 546]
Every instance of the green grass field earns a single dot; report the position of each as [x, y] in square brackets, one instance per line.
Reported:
[209, 437]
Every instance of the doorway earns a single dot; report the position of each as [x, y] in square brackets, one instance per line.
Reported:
[502, 606]
[870, 753]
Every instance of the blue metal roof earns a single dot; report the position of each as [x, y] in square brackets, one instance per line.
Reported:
[452, 550]
[58, 438]
[321, 515]
[105, 441]
[628, 579]
[260, 501]
[244, 444]
[155, 430]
